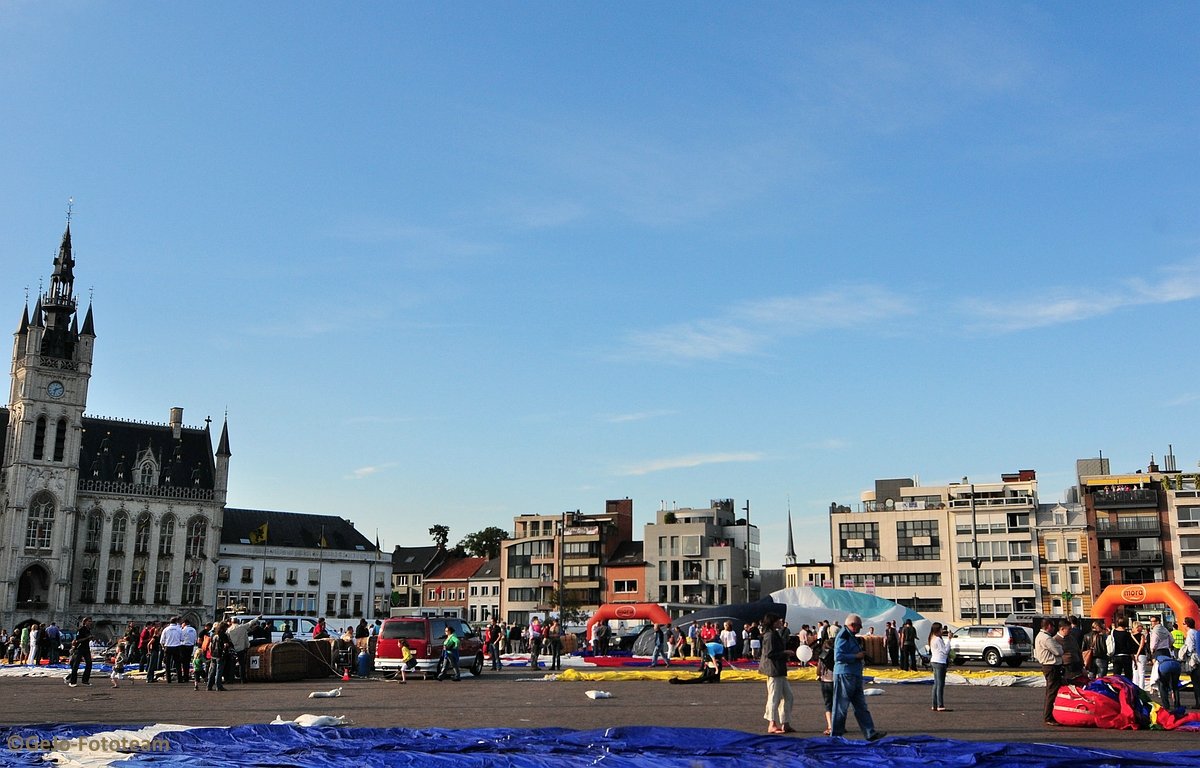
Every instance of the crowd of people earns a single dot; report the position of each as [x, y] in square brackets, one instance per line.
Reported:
[1152, 656]
[171, 650]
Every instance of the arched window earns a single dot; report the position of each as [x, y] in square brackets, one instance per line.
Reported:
[41, 521]
[146, 474]
[95, 529]
[166, 536]
[193, 587]
[141, 539]
[60, 439]
[116, 543]
[196, 537]
[137, 587]
[39, 437]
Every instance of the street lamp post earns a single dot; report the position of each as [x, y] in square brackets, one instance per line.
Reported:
[975, 562]
[747, 571]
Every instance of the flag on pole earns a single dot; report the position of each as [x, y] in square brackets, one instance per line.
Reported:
[322, 542]
[259, 535]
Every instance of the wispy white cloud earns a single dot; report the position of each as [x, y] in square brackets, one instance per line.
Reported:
[688, 462]
[1179, 282]
[364, 472]
[622, 418]
[750, 327]
[1185, 399]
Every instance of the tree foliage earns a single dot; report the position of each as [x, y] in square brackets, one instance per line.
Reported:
[485, 543]
[440, 534]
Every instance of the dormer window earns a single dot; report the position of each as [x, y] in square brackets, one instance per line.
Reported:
[146, 474]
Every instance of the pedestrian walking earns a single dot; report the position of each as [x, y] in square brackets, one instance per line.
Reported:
[849, 657]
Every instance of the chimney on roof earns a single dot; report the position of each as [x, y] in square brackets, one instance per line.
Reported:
[1153, 467]
[176, 422]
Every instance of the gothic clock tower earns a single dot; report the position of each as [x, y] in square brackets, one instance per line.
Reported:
[51, 367]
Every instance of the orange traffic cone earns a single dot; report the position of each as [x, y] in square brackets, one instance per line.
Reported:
[346, 675]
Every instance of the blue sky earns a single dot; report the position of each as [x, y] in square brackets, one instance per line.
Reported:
[455, 263]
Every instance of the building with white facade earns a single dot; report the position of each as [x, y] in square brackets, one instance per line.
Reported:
[958, 553]
[483, 602]
[287, 563]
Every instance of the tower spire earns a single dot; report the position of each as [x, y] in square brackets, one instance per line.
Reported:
[790, 557]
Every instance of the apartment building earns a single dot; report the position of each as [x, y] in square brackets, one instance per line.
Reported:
[1131, 520]
[1183, 509]
[557, 561]
[958, 553]
[698, 557]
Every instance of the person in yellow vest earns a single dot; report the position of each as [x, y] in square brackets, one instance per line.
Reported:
[1178, 636]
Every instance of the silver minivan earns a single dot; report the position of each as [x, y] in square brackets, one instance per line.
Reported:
[992, 643]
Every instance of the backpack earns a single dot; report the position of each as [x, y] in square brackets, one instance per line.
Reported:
[1110, 644]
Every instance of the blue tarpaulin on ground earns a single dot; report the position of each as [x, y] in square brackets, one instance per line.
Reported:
[630, 747]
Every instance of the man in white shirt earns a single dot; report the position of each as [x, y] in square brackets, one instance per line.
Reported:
[171, 639]
[186, 647]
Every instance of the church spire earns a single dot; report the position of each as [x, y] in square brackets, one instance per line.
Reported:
[223, 445]
[58, 303]
[790, 557]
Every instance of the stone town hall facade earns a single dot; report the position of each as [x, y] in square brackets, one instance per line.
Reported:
[115, 519]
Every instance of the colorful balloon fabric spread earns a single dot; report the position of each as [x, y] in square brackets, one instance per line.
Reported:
[1115, 702]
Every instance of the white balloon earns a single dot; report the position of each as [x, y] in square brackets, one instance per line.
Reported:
[804, 654]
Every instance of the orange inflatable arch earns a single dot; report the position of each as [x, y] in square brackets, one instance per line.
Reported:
[651, 611]
[1139, 594]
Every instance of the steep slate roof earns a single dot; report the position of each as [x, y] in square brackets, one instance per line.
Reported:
[628, 553]
[110, 445]
[293, 529]
[457, 568]
[417, 559]
[489, 570]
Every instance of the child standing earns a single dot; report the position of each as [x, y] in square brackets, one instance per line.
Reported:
[120, 658]
[197, 667]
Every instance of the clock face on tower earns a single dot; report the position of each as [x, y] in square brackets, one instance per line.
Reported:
[56, 389]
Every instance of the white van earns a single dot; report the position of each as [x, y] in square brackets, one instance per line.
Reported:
[301, 626]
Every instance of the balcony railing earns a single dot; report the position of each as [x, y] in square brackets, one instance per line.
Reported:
[986, 502]
[1128, 526]
[1132, 557]
[1136, 497]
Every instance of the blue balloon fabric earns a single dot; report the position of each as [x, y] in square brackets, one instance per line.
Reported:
[630, 747]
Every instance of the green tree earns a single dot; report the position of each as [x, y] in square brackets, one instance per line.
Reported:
[440, 534]
[485, 543]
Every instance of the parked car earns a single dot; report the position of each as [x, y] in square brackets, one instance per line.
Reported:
[425, 637]
[993, 644]
[301, 626]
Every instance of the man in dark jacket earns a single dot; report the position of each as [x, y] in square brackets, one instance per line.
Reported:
[81, 651]
[773, 664]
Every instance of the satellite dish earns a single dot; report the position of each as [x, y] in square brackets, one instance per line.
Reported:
[890, 504]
